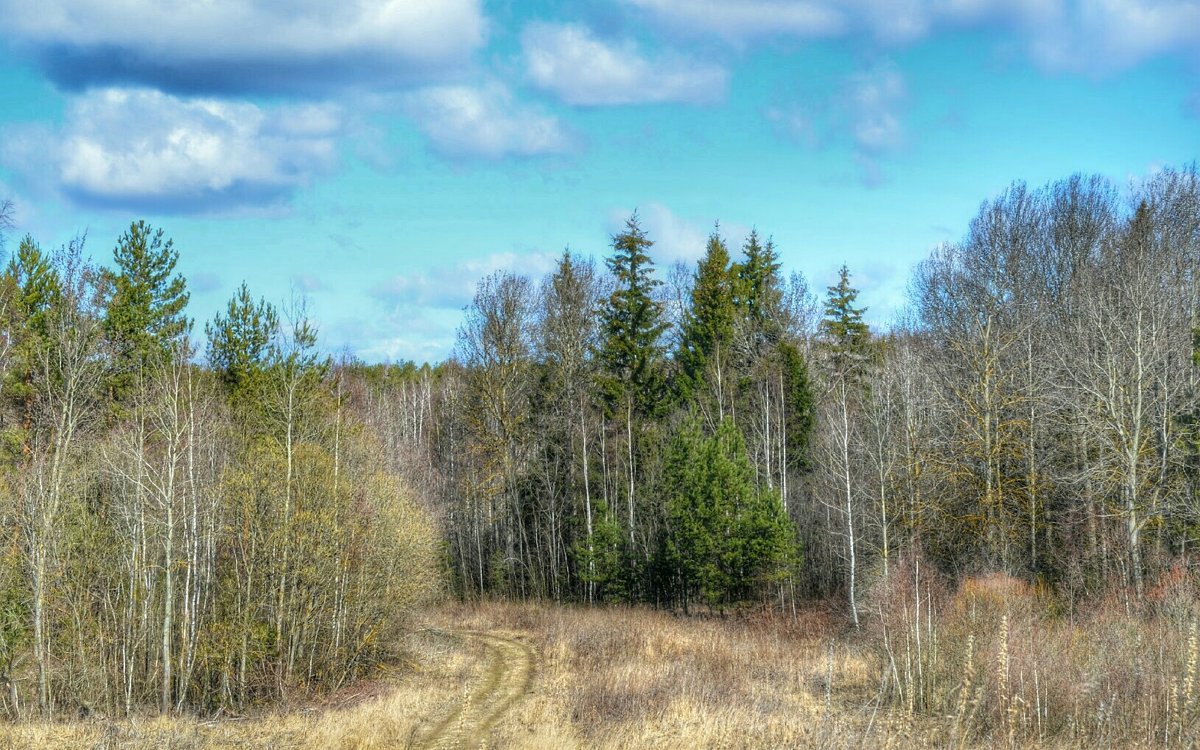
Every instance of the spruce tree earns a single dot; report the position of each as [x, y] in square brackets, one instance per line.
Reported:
[631, 328]
[631, 381]
[846, 337]
[707, 336]
[728, 538]
[758, 295]
[798, 407]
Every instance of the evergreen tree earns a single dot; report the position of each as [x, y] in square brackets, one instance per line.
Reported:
[727, 537]
[630, 356]
[798, 407]
[631, 328]
[758, 294]
[145, 301]
[35, 281]
[846, 336]
[707, 335]
[33, 285]
[239, 345]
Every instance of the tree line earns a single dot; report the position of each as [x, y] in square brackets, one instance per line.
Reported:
[209, 529]
[720, 434]
[185, 530]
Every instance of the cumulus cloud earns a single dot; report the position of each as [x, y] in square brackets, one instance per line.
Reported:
[138, 148]
[224, 46]
[570, 62]
[485, 122]
[1059, 34]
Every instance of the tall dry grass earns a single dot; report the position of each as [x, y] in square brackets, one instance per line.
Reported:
[1001, 663]
[991, 662]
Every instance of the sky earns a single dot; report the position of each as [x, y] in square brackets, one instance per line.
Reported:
[379, 157]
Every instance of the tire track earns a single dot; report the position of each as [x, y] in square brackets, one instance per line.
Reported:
[504, 680]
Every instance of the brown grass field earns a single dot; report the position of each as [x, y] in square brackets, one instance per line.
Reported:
[550, 676]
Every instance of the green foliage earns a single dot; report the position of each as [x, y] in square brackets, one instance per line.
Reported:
[727, 538]
[604, 564]
[799, 407]
[757, 291]
[846, 337]
[631, 327]
[707, 335]
[144, 310]
[239, 345]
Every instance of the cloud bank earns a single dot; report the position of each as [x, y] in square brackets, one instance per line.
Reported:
[245, 46]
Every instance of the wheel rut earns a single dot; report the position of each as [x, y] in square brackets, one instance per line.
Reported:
[502, 683]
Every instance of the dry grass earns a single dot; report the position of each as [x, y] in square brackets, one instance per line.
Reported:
[996, 668]
[622, 678]
[384, 713]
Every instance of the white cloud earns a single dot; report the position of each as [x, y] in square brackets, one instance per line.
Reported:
[145, 149]
[1113, 34]
[568, 61]
[1060, 34]
[485, 122]
[874, 98]
[245, 45]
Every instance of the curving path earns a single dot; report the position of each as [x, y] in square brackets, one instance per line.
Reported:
[503, 682]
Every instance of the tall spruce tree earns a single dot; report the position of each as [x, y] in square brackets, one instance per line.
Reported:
[631, 377]
[758, 295]
[631, 328]
[846, 336]
[846, 342]
[706, 340]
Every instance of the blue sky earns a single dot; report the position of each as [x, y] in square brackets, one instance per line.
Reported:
[382, 156]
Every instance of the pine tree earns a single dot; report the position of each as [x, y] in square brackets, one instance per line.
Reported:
[36, 289]
[144, 317]
[239, 345]
[728, 538]
[707, 336]
[35, 280]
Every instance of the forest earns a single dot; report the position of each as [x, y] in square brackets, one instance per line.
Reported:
[208, 518]
[726, 434]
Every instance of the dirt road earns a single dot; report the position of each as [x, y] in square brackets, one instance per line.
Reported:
[503, 681]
